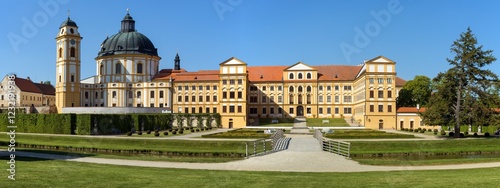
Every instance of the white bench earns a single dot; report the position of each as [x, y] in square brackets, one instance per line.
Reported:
[326, 121]
[274, 121]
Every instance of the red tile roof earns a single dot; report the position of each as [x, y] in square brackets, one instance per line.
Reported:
[26, 85]
[400, 82]
[183, 75]
[410, 110]
[337, 72]
[265, 73]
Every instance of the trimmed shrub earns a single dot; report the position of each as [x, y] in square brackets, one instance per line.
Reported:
[192, 130]
[443, 132]
[451, 134]
[170, 130]
[435, 130]
[165, 133]
[416, 130]
[157, 134]
[174, 132]
[435, 133]
[197, 130]
[487, 134]
[422, 131]
[148, 132]
[466, 133]
[129, 133]
[429, 130]
[462, 135]
[475, 134]
[181, 132]
[411, 129]
[139, 133]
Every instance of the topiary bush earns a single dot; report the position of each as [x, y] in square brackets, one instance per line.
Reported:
[197, 130]
[181, 132]
[462, 135]
[475, 134]
[148, 131]
[466, 133]
[443, 132]
[129, 133]
[422, 131]
[165, 133]
[174, 132]
[157, 134]
[416, 130]
[429, 130]
[192, 130]
[451, 134]
[487, 134]
[139, 133]
[170, 130]
[411, 129]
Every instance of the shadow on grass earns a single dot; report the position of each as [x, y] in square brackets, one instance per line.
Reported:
[43, 155]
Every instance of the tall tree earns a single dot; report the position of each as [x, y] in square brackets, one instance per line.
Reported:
[465, 85]
[416, 91]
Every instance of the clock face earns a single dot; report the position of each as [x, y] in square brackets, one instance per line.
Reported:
[72, 41]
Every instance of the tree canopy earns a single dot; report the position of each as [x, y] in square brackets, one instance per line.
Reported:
[463, 94]
[416, 91]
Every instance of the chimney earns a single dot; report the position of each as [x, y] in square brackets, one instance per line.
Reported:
[28, 78]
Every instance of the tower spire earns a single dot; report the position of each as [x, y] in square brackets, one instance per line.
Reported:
[177, 62]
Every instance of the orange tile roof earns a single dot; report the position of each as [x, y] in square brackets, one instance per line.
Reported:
[400, 82]
[337, 72]
[265, 73]
[410, 110]
[183, 75]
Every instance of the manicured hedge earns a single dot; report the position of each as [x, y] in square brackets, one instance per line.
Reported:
[87, 124]
[40, 123]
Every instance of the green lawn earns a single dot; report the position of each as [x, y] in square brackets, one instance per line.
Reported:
[282, 122]
[364, 134]
[333, 122]
[240, 133]
[189, 146]
[53, 173]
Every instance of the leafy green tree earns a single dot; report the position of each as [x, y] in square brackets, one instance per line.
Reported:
[464, 87]
[416, 91]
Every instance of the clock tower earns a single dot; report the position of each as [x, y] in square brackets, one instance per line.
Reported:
[68, 55]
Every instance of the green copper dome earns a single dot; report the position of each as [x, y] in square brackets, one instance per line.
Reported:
[127, 41]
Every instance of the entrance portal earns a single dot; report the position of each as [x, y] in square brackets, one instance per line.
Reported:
[380, 124]
[300, 111]
[230, 123]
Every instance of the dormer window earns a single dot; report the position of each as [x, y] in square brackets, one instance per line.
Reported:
[290, 76]
[299, 76]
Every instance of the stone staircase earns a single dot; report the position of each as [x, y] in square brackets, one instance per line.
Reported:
[281, 144]
[300, 126]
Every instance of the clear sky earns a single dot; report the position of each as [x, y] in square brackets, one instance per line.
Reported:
[416, 34]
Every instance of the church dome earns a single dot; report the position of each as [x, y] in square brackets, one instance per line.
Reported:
[127, 41]
[68, 22]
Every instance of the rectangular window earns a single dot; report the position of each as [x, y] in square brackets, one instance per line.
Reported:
[389, 80]
[271, 88]
[161, 94]
[253, 88]
[86, 95]
[72, 78]
[329, 98]
[291, 110]
[328, 110]
[271, 110]
[152, 105]
[380, 80]
[231, 82]
[389, 94]
[308, 110]
[347, 111]
[337, 99]
[186, 98]
[224, 109]
[200, 88]
[215, 87]
[264, 99]
[253, 99]
[215, 99]
[271, 99]
[224, 82]
[207, 109]
[193, 98]
[264, 110]
[179, 88]
[240, 95]
[372, 108]
[371, 80]
[337, 88]
[240, 109]
[320, 99]
[193, 110]
[389, 108]
[240, 81]
[193, 88]
[186, 88]
[207, 88]
[380, 94]
[320, 110]
[380, 108]
[152, 94]
[224, 95]
[328, 88]
[320, 88]
[280, 110]
[253, 110]
[347, 98]
[231, 94]
[372, 94]
[336, 110]
[279, 88]
[347, 88]
[214, 110]
[200, 98]
[207, 98]
[280, 99]
[231, 109]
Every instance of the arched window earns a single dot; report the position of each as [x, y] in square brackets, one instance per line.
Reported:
[72, 52]
[101, 69]
[299, 76]
[300, 89]
[139, 67]
[118, 68]
[60, 52]
[308, 89]
[309, 76]
[290, 76]
[290, 89]
[114, 94]
[138, 94]
[130, 94]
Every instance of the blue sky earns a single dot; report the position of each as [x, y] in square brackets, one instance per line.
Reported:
[415, 34]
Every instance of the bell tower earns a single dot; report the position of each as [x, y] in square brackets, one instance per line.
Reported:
[68, 65]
